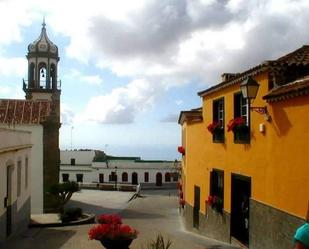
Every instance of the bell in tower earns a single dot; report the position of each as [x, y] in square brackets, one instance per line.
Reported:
[43, 60]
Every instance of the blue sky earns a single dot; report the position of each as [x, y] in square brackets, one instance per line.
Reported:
[129, 67]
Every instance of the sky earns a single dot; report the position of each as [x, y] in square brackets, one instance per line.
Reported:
[129, 67]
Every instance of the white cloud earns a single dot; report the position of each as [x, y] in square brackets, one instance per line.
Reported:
[122, 104]
[92, 79]
[67, 115]
[11, 92]
[179, 102]
[16, 66]
[170, 118]
[88, 79]
[165, 43]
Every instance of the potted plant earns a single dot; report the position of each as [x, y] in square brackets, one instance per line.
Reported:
[112, 233]
[217, 131]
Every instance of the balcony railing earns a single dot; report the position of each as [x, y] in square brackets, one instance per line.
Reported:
[43, 85]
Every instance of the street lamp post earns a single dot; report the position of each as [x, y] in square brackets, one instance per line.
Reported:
[115, 177]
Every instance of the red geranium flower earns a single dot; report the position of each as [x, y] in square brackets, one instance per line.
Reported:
[181, 150]
[235, 122]
[212, 126]
[109, 219]
[111, 227]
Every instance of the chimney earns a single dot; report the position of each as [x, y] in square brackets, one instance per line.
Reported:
[228, 76]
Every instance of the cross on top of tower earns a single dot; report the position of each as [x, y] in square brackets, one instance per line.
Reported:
[43, 24]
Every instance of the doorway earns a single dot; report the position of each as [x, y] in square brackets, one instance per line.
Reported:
[8, 200]
[158, 179]
[196, 208]
[240, 196]
[134, 178]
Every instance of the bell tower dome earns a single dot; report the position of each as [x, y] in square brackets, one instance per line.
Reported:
[42, 83]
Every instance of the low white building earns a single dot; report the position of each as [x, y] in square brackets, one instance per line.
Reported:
[89, 166]
[27, 118]
[15, 187]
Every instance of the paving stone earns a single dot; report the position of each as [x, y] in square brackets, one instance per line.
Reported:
[151, 215]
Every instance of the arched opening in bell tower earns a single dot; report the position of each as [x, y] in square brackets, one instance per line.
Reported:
[42, 76]
[53, 77]
[31, 73]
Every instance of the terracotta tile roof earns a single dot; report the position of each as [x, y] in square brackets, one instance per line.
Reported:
[193, 115]
[13, 111]
[296, 88]
[297, 57]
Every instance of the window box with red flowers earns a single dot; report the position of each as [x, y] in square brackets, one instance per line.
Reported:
[217, 132]
[216, 203]
[240, 129]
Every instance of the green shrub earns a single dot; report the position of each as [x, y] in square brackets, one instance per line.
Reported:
[62, 193]
[159, 243]
[71, 214]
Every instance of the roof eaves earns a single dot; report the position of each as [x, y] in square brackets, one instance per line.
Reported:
[242, 76]
[190, 116]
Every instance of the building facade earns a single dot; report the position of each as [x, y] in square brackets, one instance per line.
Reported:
[95, 167]
[15, 184]
[245, 166]
[40, 114]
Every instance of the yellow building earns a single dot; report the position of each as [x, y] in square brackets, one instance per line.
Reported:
[246, 162]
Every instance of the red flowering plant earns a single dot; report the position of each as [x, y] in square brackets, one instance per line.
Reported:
[213, 126]
[210, 200]
[179, 185]
[109, 219]
[181, 150]
[236, 122]
[182, 203]
[215, 202]
[110, 227]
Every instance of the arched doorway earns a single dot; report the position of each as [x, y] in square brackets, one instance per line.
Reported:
[124, 177]
[158, 179]
[134, 178]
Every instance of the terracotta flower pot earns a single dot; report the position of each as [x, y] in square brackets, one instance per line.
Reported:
[119, 244]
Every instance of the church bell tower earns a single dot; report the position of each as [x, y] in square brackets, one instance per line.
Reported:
[43, 85]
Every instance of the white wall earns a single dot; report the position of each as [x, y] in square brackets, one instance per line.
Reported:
[37, 165]
[91, 175]
[81, 157]
[15, 146]
[91, 170]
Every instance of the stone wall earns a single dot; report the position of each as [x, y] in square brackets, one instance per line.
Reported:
[271, 228]
[213, 225]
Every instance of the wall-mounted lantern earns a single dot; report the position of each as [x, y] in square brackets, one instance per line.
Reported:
[249, 88]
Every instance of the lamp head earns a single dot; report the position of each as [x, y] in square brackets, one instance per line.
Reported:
[249, 88]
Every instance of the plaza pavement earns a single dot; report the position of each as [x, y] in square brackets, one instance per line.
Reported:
[156, 212]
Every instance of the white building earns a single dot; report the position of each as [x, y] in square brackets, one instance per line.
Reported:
[15, 183]
[26, 118]
[89, 166]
